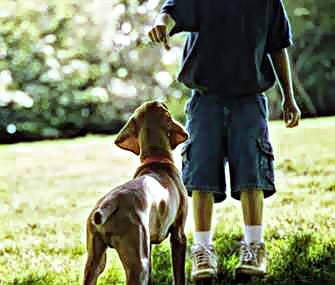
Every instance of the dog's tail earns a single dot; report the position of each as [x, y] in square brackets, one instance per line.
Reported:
[101, 215]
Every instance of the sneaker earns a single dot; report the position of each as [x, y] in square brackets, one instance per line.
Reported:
[252, 259]
[204, 263]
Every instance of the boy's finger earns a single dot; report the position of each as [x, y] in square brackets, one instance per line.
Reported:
[160, 35]
[292, 121]
[151, 36]
[289, 119]
[165, 43]
[295, 121]
[155, 36]
[289, 124]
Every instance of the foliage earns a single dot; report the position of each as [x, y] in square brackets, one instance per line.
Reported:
[68, 67]
[68, 70]
[313, 54]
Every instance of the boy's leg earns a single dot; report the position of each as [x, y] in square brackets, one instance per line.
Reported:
[203, 158]
[202, 211]
[252, 179]
[253, 254]
[203, 253]
[252, 206]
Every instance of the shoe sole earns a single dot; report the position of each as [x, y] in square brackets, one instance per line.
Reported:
[203, 275]
[249, 272]
[205, 281]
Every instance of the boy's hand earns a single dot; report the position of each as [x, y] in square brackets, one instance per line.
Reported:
[291, 113]
[158, 34]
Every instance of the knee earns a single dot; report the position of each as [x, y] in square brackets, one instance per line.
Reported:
[253, 193]
[202, 195]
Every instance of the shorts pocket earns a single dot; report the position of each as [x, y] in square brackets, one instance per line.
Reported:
[266, 159]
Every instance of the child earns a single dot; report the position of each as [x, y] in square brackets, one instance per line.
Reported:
[229, 59]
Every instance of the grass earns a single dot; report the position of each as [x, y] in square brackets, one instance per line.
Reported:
[48, 188]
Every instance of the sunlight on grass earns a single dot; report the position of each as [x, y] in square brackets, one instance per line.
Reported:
[47, 190]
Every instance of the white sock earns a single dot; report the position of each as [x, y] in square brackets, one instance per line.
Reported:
[253, 233]
[203, 238]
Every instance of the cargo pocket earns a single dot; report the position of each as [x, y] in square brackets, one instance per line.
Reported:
[266, 159]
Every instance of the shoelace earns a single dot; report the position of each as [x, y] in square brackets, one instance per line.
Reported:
[247, 253]
[203, 256]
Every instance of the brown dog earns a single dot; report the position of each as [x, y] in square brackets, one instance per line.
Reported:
[146, 209]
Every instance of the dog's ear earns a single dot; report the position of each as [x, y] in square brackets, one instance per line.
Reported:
[127, 137]
[177, 133]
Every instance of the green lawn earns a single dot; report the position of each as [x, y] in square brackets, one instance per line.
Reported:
[48, 188]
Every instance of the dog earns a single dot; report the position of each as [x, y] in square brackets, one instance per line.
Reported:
[146, 209]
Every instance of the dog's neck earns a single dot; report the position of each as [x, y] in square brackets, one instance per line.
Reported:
[156, 154]
[156, 159]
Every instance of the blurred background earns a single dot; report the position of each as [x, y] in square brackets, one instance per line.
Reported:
[68, 68]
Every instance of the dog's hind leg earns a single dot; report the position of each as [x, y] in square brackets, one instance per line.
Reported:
[178, 249]
[96, 259]
[134, 252]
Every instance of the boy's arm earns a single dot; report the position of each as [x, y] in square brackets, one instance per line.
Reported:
[163, 23]
[279, 38]
[281, 64]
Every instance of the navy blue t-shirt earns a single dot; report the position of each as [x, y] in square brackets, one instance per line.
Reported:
[229, 42]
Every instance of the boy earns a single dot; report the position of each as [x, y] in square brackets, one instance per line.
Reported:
[232, 50]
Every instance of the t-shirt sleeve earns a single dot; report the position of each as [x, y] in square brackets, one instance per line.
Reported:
[280, 34]
[184, 13]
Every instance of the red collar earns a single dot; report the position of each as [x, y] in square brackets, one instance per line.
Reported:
[159, 159]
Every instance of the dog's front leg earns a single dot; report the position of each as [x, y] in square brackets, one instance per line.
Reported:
[178, 248]
[96, 259]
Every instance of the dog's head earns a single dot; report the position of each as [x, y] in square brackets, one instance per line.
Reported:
[157, 115]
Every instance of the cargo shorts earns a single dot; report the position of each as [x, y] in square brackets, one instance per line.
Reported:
[233, 130]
